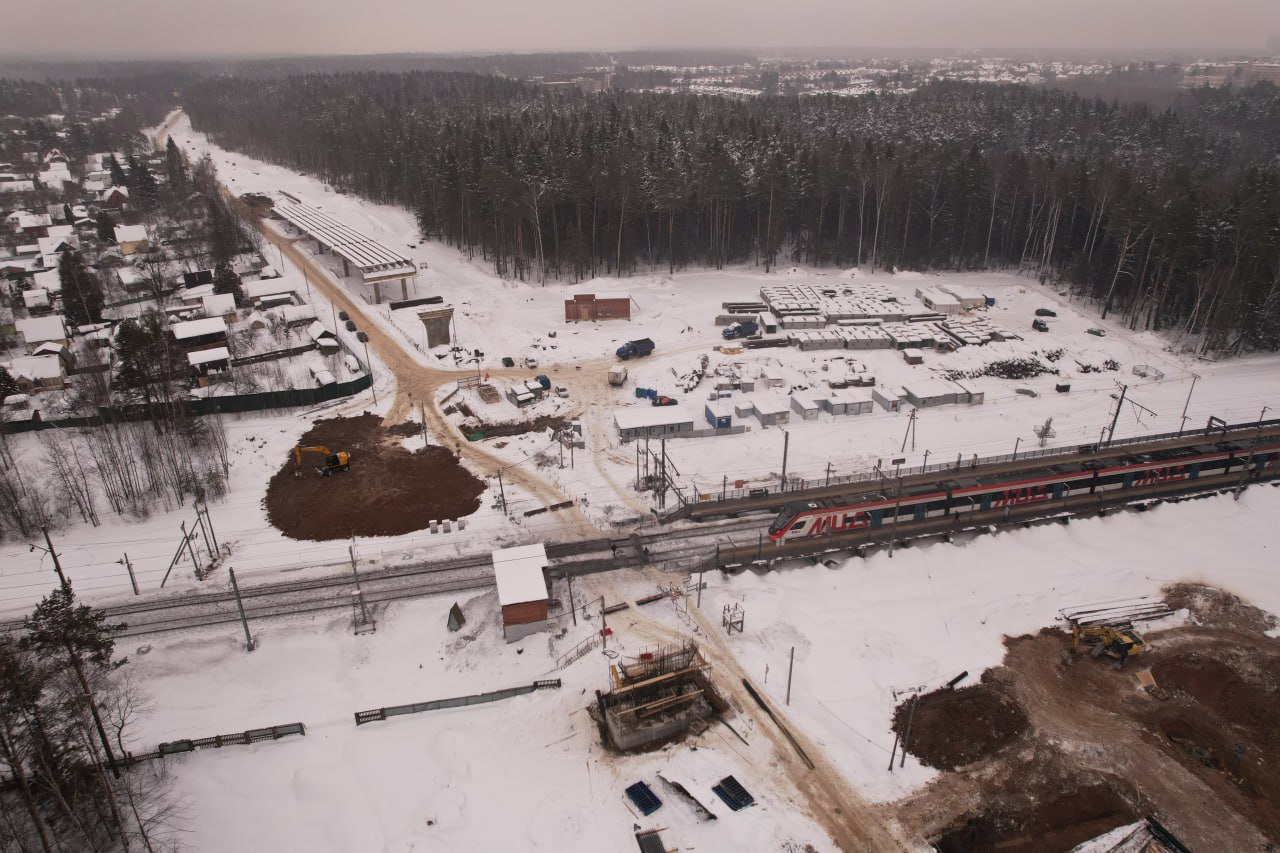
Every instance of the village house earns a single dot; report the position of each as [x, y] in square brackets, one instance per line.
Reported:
[132, 239]
[39, 330]
[38, 373]
[204, 334]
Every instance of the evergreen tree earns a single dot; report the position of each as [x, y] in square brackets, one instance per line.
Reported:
[118, 177]
[143, 190]
[8, 385]
[148, 358]
[81, 291]
[225, 280]
[175, 168]
[66, 213]
[106, 227]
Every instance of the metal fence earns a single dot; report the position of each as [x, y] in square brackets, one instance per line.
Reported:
[227, 404]
[244, 738]
[377, 714]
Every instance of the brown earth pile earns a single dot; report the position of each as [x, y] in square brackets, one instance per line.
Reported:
[388, 490]
[957, 727]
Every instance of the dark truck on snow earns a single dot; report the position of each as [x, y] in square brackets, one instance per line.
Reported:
[635, 349]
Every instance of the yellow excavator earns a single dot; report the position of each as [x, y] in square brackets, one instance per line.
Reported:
[1120, 644]
[339, 461]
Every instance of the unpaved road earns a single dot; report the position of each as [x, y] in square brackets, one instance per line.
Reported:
[822, 792]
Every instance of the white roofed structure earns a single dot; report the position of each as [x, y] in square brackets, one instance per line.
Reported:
[375, 262]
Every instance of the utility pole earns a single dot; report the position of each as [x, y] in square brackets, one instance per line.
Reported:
[209, 521]
[191, 550]
[502, 491]
[235, 587]
[1194, 378]
[791, 666]
[827, 482]
[1111, 433]
[910, 432]
[132, 579]
[604, 626]
[369, 364]
[364, 612]
[572, 608]
[786, 443]
[57, 566]
[893, 533]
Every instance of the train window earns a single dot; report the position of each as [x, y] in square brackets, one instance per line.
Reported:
[799, 525]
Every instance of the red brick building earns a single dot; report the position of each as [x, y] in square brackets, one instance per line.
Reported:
[591, 306]
[522, 590]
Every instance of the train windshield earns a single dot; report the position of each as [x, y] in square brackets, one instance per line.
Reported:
[789, 512]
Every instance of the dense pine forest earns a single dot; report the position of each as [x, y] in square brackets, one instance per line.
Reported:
[1168, 218]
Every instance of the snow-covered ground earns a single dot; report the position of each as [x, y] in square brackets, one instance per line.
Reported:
[528, 774]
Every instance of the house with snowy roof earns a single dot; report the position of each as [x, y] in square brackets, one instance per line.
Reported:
[132, 239]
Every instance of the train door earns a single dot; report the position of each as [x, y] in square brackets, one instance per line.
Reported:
[877, 517]
[1127, 482]
[1059, 491]
[1193, 471]
[984, 503]
[921, 510]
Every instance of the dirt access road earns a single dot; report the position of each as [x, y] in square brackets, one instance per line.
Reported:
[821, 792]
[416, 383]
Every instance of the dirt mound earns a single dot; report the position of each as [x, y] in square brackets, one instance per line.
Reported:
[1042, 825]
[1219, 608]
[1240, 693]
[388, 490]
[953, 728]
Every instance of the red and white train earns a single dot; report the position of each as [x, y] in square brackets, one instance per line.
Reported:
[825, 516]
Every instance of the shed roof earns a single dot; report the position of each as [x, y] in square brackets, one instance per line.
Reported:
[640, 417]
[39, 329]
[131, 234]
[205, 356]
[219, 304]
[199, 328]
[519, 574]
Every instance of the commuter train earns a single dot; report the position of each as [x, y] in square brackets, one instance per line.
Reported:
[955, 497]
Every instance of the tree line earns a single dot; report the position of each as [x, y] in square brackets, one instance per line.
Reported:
[1167, 217]
[66, 717]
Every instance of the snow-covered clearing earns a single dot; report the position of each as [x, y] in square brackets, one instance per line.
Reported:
[528, 773]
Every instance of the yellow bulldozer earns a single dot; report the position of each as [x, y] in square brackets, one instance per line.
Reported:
[333, 461]
[1119, 644]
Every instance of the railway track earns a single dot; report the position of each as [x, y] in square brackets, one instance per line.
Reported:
[764, 552]
[696, 547]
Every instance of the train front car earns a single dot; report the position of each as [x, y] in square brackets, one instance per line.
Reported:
[778, 530]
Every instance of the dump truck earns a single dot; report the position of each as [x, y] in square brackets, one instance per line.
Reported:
[644, 346]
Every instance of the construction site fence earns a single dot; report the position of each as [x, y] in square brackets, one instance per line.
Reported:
[228, 404]
[703, 494]
[244, 738]
[377, 714]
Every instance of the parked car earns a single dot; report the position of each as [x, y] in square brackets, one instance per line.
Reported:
[531, 362]
[1026, 392]
[1045, 312]
[508, 361]
[344, 316]
[351, 325]
[362, 337]
[1099, 332]
[562, 391]
[1040, 325]
[664, 401]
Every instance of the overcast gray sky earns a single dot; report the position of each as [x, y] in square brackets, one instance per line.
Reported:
[206, 27]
